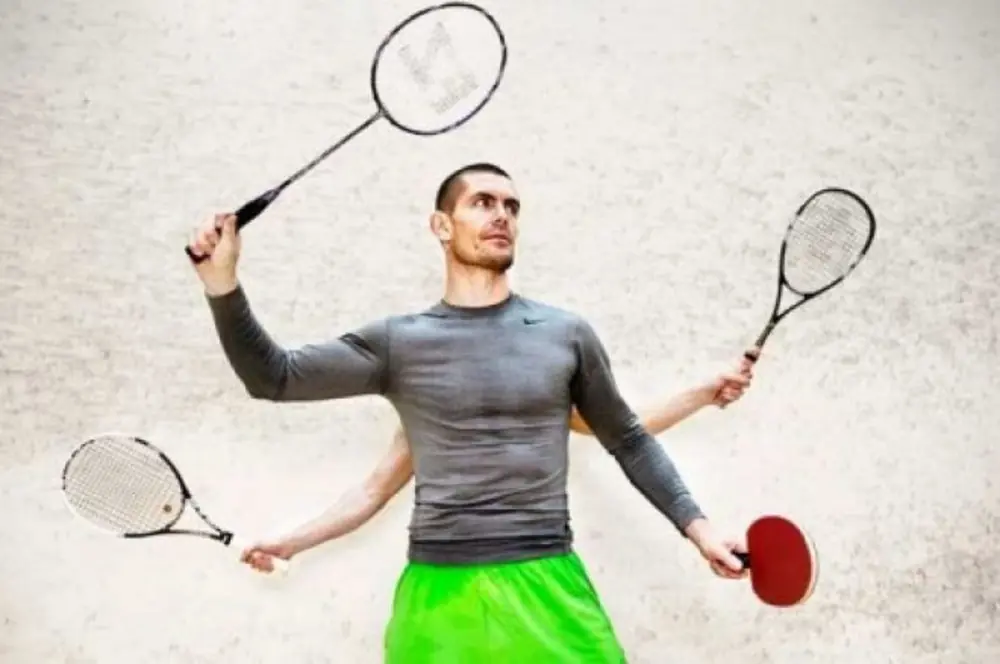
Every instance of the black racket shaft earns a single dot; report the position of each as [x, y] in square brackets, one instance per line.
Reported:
[254, 208]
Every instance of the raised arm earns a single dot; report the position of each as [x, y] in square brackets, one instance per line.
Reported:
[354, 364]
[721, 391]
[656, 420]
[354, 508]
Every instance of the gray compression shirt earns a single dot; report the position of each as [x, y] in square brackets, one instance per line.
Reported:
[484, 395]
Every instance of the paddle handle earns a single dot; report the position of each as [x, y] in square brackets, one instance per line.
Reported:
[744, 558]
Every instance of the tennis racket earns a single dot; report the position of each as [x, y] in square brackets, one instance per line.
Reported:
[431, 74]
[782, 560]
[824, 242]
[125, 486]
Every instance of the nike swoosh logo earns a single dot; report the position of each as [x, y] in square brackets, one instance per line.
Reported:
[533, 321]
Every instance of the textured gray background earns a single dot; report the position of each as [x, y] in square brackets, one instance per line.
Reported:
[659, 147]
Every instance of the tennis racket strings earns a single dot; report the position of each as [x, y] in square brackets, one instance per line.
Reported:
[438, 68]
[122, 487]
[826, 240]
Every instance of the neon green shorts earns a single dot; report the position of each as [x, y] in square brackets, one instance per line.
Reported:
[532, 612]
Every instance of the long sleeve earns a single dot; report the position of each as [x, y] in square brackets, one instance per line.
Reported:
[644, 462]
[354, 364]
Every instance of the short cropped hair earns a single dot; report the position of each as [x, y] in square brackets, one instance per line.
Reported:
[445, 199]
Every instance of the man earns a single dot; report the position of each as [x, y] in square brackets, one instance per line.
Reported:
[483, 382]
[361, 503]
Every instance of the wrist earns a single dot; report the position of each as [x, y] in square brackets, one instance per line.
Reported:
[705, 396]
[699, 531]
[284, 549]
[221, 287]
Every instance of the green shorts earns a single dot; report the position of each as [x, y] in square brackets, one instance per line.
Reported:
[531, 612]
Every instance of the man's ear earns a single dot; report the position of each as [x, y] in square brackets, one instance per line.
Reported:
[441, 226]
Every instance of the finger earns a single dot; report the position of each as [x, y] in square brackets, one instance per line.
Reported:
[725, 572]
[263, 562]
[198, 246]
[735, 379]
[202, 244]
[228, 225]
[730, 561]
[209, 235]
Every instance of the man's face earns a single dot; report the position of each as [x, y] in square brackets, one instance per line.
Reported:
[481, 229]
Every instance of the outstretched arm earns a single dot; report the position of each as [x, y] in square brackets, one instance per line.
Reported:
[355, 507]
[657, 420]
[722, 391]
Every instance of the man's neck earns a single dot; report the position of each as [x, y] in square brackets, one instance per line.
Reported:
[468, 286]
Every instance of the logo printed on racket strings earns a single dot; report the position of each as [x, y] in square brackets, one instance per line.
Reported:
[456, 86]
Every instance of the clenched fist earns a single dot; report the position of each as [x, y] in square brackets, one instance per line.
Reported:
[261, 556]
[217, 246]
[730, 386]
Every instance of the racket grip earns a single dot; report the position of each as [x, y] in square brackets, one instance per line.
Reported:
[250, 211]
[280, 564]
[743, 558]
[253, 209]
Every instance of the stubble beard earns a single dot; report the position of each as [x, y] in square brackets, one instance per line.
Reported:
[497, 264]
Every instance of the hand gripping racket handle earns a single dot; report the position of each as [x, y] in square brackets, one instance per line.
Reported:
[743, 558]
[250, 211]
[280, 564]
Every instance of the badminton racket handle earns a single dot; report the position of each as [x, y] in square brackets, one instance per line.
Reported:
[280, 564]
[250, 211]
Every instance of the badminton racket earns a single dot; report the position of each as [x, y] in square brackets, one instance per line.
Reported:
[431, 74]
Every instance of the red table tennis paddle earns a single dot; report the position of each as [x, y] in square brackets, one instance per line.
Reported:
[782, 560]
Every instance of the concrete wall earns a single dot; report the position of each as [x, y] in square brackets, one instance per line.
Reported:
[659, 147]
